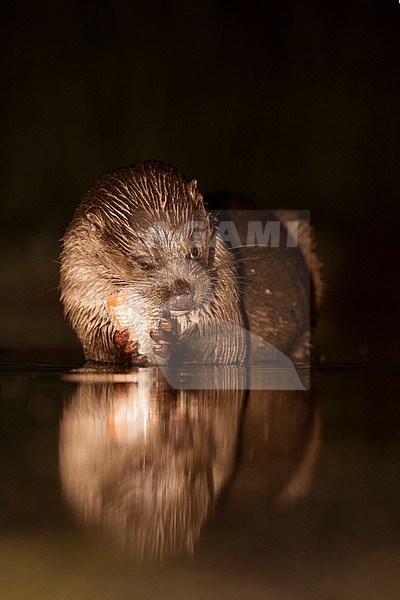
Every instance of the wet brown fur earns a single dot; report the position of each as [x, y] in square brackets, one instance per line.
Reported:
[133, 232]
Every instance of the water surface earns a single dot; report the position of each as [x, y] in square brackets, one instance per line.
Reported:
[119, 486]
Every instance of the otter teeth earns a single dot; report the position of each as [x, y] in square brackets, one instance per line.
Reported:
[178, 313]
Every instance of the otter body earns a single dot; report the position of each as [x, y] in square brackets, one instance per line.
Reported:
[142, 240]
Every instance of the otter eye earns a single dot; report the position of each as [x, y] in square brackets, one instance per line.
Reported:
[194, 252]
[146, 266]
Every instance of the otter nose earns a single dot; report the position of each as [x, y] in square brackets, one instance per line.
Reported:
[181, 299]
[180, 288]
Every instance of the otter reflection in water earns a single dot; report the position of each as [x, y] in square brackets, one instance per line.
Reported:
[146, 463]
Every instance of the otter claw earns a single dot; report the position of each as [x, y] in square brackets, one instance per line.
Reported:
[128, 348]
[121, 338]
[165, 325]
[131, 347]
[164, 351]
[164, 338]
[139, 359]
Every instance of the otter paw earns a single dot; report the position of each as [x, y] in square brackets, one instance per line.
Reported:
[165, 338]
[128, 349]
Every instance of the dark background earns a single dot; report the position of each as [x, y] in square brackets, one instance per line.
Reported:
[292, 103]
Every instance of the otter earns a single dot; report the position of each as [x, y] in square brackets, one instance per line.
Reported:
[147, 278]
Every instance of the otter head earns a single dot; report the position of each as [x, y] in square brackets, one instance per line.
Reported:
[150, 233]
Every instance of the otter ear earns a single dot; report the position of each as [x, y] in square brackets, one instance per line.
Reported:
[95, 221]
[212, 222]
[194, 192]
